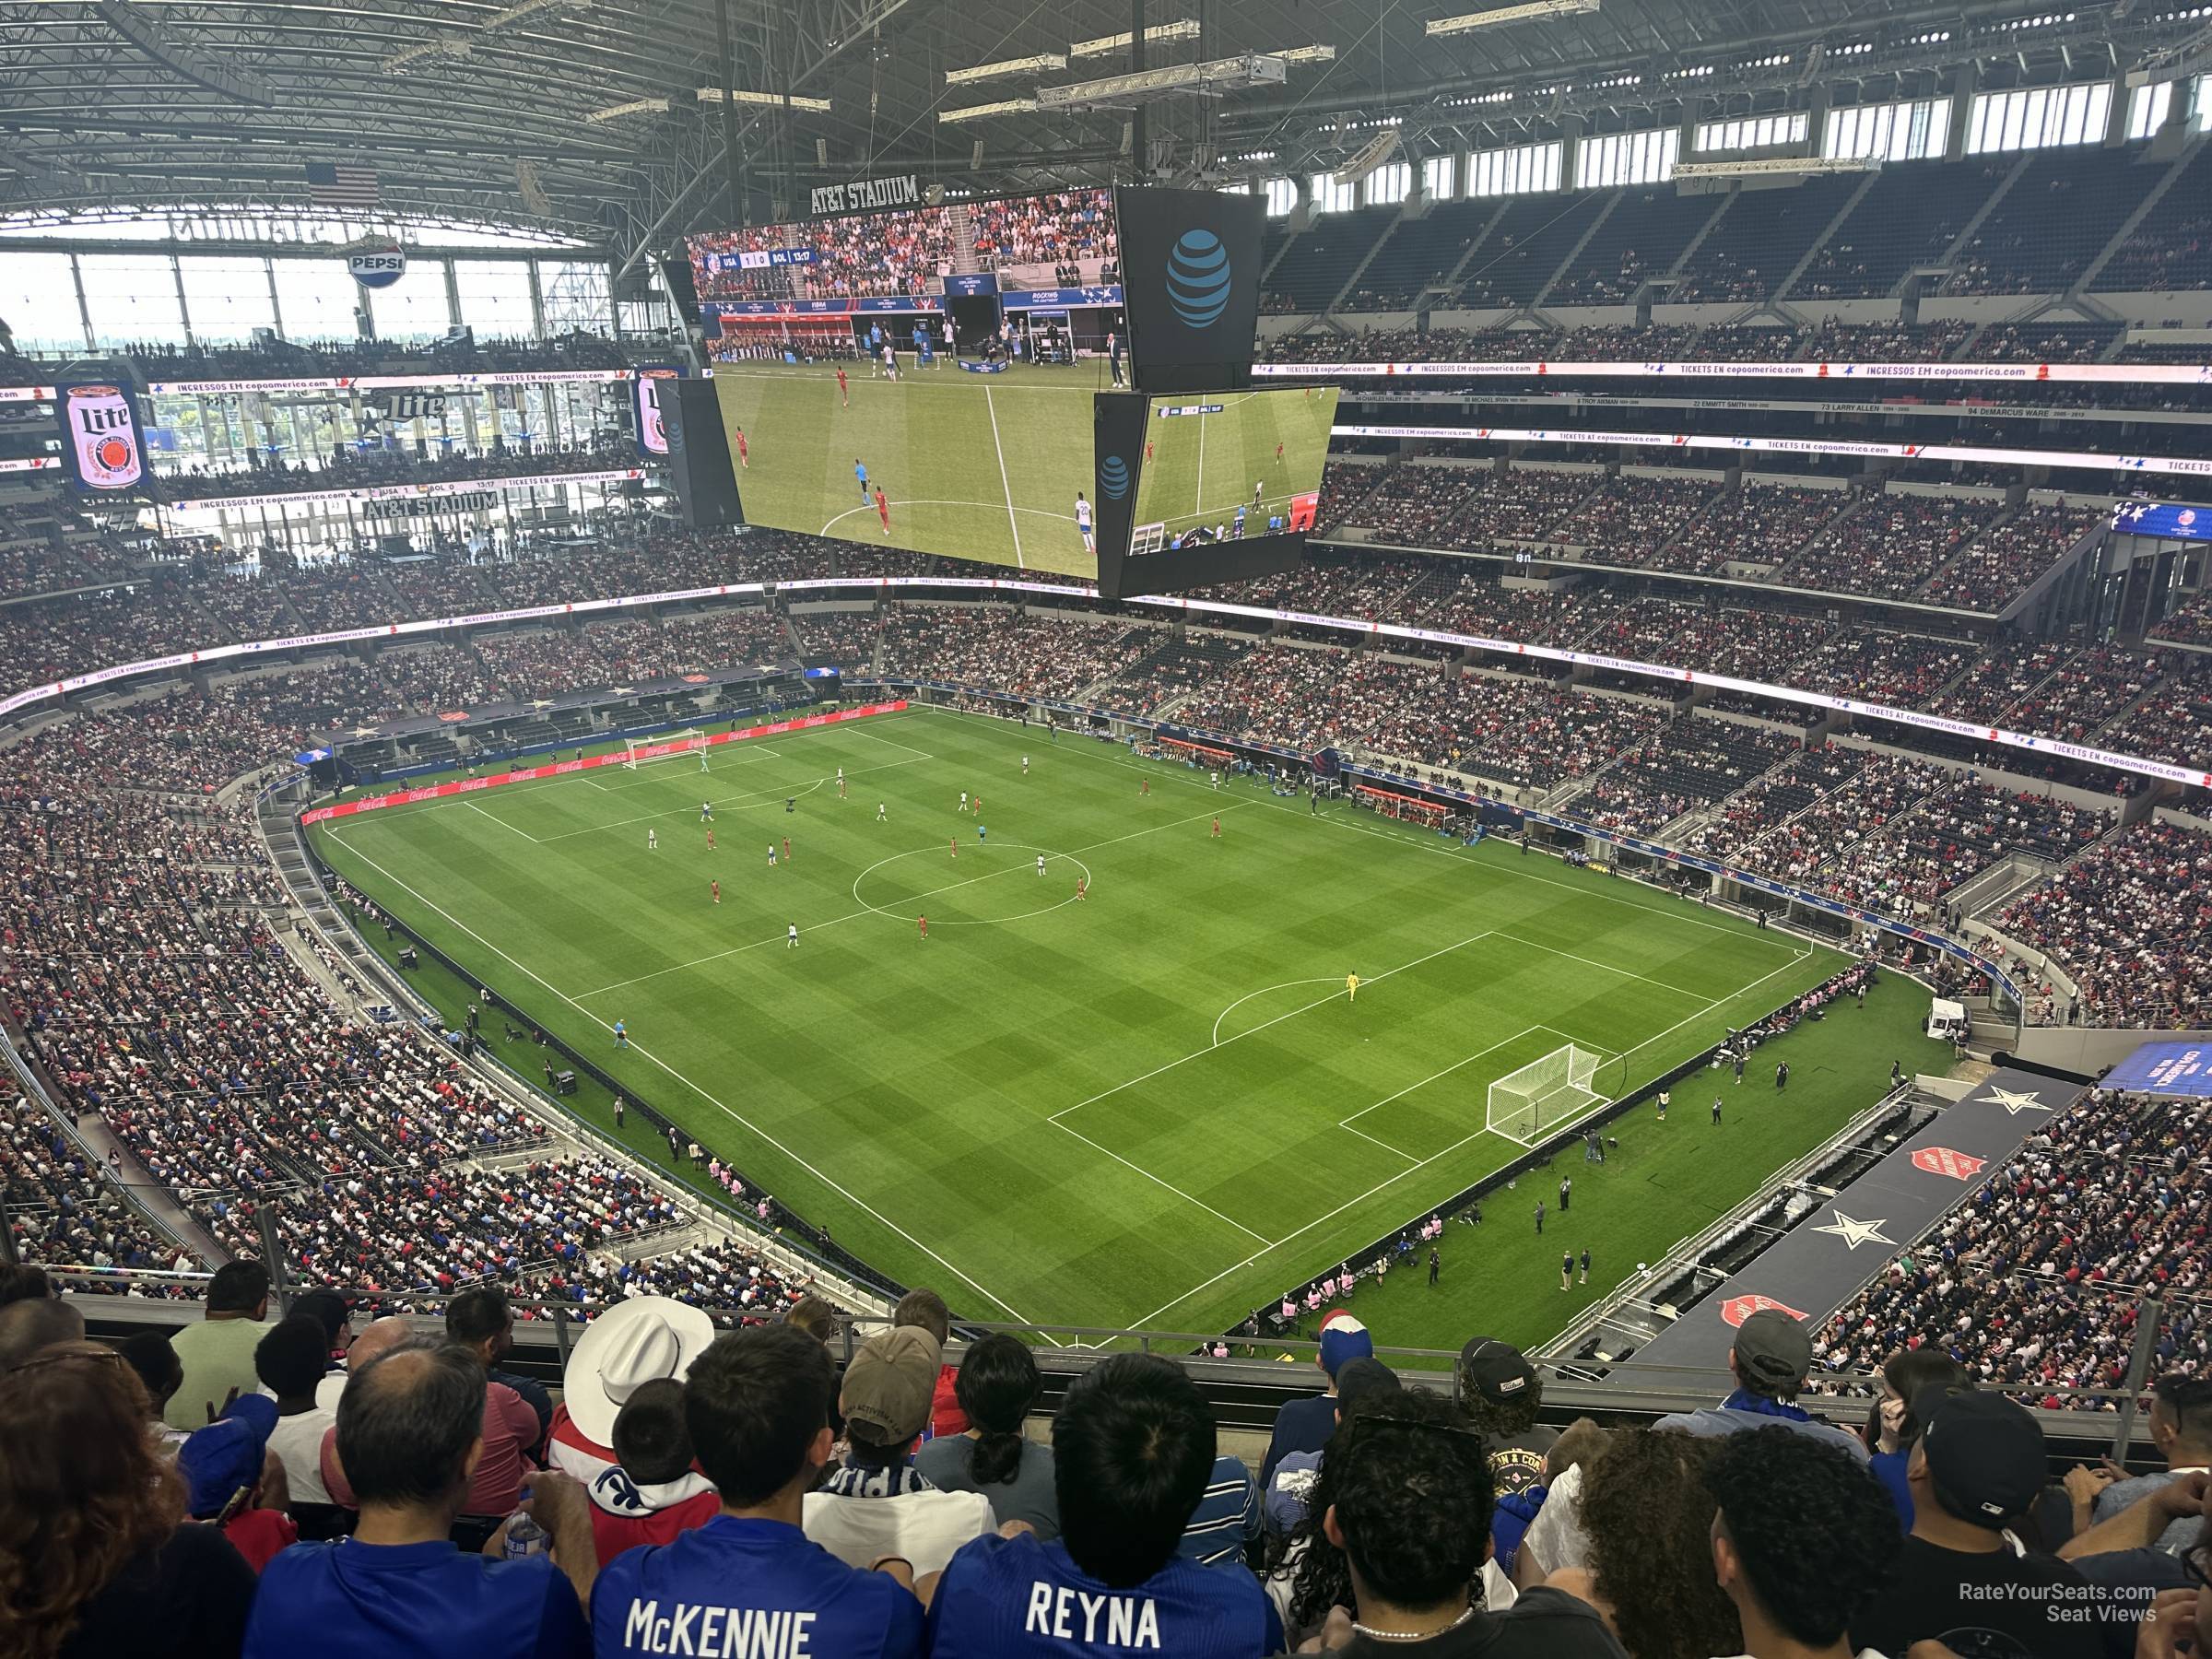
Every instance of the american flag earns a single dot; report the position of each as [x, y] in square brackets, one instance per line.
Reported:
[333, 184]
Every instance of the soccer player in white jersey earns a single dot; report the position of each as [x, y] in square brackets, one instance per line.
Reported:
[1091, 541]
[791, 938]
[879, 814]
[653, 841]
[1040, 864]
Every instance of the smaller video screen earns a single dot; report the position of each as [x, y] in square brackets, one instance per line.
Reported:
[1231, 467]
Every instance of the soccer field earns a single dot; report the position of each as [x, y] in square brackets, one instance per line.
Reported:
[1200, 468]
[1155, 1105]
[982, 467]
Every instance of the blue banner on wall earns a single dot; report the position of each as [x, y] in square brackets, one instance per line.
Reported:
[971, 284]
[973, 367]
[2171, 521]
[1059, 299]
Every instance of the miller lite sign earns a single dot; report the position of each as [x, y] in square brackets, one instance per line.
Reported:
[101, 437]
[376, 266]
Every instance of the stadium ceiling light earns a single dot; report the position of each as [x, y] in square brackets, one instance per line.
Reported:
[1043, 60]
[1306, 54]
[772, 100]
[636, 106]
[1509, 14]
[1142, 86]
[1005, 106]
[444, 46]
[1183, 31]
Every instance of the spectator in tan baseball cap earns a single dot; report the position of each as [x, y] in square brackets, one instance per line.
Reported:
[877, 1505]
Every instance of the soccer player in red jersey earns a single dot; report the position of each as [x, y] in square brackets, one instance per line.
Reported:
[923, 922]
[1147, 449]
[744, 458]
[1279, 454]
[883, 509]
[1216, 829]
[956, 846]
[787, 849]
[710, 841]
[1082, 886]
[842, 390]
[979, 806]
[1145, 787]
[718, 891]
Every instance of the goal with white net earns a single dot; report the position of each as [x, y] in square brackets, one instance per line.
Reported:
[1529, 1103]
[675, 748]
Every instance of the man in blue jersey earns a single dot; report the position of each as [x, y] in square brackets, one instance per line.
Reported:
[861, 472]
[1132, 1448]
[411, 1431]
[756, 1404]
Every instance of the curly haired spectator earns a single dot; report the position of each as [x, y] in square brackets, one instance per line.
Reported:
[1802, 1540]
[1649, 1513]
[95, 1553]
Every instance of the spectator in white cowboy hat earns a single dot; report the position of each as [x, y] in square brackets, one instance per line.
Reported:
[644, 1340]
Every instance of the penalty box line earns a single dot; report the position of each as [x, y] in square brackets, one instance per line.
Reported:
[1383, 1186]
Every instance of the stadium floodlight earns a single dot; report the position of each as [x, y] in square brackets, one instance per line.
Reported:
[982, 71]
[1509, 14]
[1005, 106]
[1183, 29]
[1142, 86]
[1377, 150]
[1306, 54]
[452, 45]
[636, 106]
[773, 101]
[1776, 167]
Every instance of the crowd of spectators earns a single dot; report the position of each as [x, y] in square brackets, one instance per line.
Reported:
[1629, 519]
[1961, 827]
[1759, 523]
[1772, 799]
[1692, 763]
[2005, 558]
[2173, 719]
[2127, 923]
[2032, 1282]
[1886, 548]
[1881, 666]
[998, 649]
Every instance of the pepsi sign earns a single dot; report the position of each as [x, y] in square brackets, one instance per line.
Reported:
[376, 268]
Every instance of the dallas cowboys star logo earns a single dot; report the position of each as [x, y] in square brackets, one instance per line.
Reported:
[2015, 1103]
[1855, 1233]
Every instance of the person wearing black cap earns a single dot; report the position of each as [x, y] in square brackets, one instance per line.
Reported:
[1769, 1359]
[1963, 1580]
[1502, 1394]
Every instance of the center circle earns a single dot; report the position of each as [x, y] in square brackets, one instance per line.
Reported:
[956, 881]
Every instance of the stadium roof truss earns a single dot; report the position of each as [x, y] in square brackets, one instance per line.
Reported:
[583, 119]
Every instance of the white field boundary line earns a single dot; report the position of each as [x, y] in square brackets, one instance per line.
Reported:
[677, 1076]
[892, 743]
[1037, 511]
[872, 910]
[1254, 1030]
[501, 822]
[1013, 523]
[1155, 1181]
[745, 800]
[1415, 1168]
[1750, 936]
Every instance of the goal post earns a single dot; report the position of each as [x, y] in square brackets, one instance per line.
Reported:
[1527, 1103]
[675, 747]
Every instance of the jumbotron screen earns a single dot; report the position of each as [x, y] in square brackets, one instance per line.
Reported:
[1230, 466]
[921, 378]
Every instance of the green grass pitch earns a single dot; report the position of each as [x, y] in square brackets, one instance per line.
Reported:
[981, 466]
[1201, 468]
[1153, 1106]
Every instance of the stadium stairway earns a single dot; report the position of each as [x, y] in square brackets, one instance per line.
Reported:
[1968, 232]
[1812, 251]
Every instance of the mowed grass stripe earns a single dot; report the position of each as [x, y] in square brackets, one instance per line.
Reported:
[923, 1078]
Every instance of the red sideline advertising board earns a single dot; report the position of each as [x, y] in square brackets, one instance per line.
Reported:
[433, 791]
